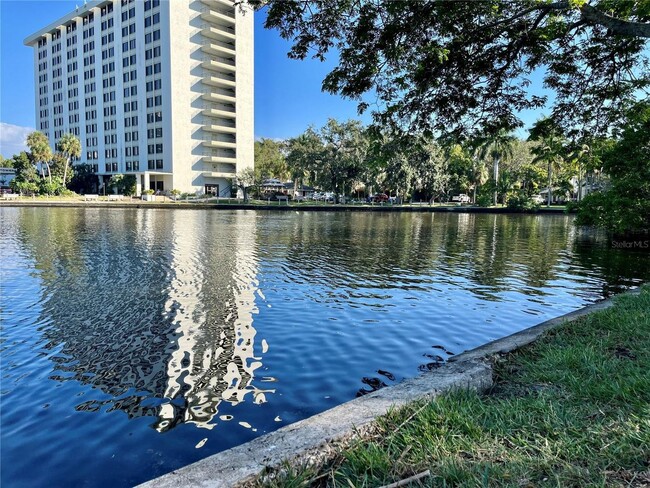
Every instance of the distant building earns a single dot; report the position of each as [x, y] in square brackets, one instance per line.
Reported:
[304, 192]
[158, 89]
[272, 185]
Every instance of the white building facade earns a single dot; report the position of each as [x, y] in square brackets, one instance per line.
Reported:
[162, 90]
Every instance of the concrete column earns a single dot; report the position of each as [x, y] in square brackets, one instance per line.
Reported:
[145, 185]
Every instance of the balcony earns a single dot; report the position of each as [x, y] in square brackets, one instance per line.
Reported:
[219, 48]
[218, 16]
[228, 129]
[217, 174]
[223, 163]
[219, 96]
[219, 113]
[219, 33]
[221, 80]
[221, 4]
[219, 64]
[220, 144]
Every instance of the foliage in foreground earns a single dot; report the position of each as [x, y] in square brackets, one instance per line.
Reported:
[625, 206]
[451, 66]
[571, 410]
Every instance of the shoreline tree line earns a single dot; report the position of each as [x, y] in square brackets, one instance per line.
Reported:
[463, 70]
[448, 80]
[39, 171]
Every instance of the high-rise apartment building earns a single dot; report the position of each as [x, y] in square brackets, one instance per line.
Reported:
[162, 90]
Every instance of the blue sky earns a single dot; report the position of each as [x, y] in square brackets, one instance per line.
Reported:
[288, 95]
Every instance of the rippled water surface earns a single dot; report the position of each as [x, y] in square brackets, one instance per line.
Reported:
[137, 341]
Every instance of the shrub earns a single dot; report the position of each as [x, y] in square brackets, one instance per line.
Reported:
[24, 187]
[125, 185]
[522, 202]
[617, 211]
[484, 200]
[571, 207]
[54, 187]
[625, 205]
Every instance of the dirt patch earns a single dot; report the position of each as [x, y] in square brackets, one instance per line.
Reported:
[623, 352]
[628, 478]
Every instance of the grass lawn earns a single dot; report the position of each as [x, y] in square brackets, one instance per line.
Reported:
[571, 410]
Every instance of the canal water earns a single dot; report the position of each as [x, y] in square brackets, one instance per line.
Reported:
[136, 341]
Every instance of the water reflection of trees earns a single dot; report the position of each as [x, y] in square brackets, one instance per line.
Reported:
[485, 250]
[147, 308]
[620, 268]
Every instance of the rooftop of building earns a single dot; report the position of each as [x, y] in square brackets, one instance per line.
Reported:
[63, 21]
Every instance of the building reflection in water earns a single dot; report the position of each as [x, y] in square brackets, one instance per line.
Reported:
[214, 358]
[152, 309]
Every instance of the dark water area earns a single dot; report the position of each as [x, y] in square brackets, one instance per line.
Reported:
[136, 341]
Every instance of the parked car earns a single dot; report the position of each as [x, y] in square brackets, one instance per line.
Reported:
[379, 198]
[538, 199]
[462, 198]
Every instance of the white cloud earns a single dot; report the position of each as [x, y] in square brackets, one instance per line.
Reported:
[12, 139]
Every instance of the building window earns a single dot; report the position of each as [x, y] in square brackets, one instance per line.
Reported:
[107, 9]
[154, 117]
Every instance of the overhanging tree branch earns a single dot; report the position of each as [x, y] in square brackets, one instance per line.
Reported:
[616, 26]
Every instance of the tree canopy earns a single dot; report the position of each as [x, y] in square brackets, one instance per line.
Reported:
[59, 174]
[269, 159]
[39, 148]
[70, 147]
[463, 65]
[625, 205]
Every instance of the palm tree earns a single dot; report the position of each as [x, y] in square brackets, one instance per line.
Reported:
[479, 174]
[39, 147]
[498, 146]
[70, 147]
[550, 149]
[548, 153]
[580, 154]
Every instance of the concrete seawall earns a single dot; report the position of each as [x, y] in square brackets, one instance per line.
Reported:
[275, 207]
[315, 439]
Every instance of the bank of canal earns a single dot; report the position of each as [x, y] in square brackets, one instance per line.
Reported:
[570, 409]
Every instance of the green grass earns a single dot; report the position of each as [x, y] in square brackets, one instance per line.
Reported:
[571, 410]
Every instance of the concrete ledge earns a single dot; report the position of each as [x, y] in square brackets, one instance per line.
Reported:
[281, 208]
[316, 439]
[526, 336]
